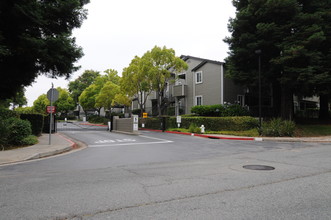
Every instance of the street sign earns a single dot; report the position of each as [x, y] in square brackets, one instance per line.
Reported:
[51, 109]
[179, 119]
[53, 95]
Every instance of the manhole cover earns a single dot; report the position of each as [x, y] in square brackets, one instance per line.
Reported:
[258, 167]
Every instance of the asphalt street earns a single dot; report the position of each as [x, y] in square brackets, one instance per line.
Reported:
[169, 176]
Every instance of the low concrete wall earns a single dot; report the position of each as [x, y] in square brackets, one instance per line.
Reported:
[124, 125]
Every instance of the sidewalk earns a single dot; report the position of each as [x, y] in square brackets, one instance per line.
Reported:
[231, 137]
[60, 144]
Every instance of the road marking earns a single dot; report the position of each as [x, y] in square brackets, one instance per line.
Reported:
[160, 141]
[113, 141]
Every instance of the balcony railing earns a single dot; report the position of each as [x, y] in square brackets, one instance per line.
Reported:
[180, 90]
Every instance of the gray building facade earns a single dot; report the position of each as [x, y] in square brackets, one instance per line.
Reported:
[203, 83]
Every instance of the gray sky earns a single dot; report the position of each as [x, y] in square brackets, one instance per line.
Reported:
[115, 31]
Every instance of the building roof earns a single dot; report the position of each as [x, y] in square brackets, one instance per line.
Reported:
[203, 61]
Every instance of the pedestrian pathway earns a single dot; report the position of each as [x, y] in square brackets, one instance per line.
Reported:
[59, 144]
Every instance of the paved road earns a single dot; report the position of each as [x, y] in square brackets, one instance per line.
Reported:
[167, 176]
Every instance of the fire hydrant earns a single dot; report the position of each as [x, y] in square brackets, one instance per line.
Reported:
[202, 128]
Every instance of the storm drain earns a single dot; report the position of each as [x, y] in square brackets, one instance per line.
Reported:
[258, 167]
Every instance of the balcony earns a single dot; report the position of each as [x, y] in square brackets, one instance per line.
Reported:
[179, 90]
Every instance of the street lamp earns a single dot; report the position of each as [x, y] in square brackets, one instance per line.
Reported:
[259, 52]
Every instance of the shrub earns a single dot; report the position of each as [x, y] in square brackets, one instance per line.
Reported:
[278, 128]
[210, 123]
[4, 131]
[136, 112]
[6, 113]
[19, 129]
[98, 119]
[30, 140]
[37, 122]
[194, 129]
[219, 110]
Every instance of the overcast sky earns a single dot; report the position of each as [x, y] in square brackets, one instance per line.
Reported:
[115, 31]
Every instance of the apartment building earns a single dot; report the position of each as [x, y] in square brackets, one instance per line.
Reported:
[203, 83]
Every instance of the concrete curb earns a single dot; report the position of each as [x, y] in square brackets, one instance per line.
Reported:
[323, 139]
[50, 153]
[209, 136]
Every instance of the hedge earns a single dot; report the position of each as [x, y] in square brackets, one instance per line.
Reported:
[210, 123]
[219, 110]
[37, 122]
[6, 113]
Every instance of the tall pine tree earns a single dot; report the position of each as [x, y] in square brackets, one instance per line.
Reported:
[293, 38]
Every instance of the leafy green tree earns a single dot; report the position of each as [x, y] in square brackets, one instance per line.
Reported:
[106, 96]
[77, 86]
[136, 81]
[35, 38]
[18, 100]
[40, 104]
[93, 97]
[161, 63]
[88, 97]
[122, 99]
[290, 37]
[65, 103]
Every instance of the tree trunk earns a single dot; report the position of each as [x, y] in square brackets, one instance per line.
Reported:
[158, 96]
[287, 111]
[324, 107]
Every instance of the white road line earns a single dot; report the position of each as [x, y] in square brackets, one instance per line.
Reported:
[161, 141]
[127, 144]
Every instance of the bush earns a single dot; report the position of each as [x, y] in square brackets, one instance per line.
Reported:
[30, 140]
[219, 110]
[210, 123]
[194, 129]
[98, 119]
[6, 113]
[19, 129]
[37, 122]
[136, 112]
[4, 131]
[278, 128]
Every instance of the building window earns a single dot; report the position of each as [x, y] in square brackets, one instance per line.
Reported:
[198, 77]
[198, 100]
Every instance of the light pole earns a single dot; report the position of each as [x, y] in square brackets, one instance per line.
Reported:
[258, 52]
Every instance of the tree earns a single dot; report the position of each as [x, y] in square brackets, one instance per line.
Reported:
[161, 62]
[40, 104]
[35, 39]
[18, 100]
[77, 86]
[106, 96]
[88, 97]
[122, 99]
[65, 103]
[290, 38]
[136, 81]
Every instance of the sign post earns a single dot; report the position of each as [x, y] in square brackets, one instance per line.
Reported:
[179, 120]
[52, 96]
[135, 123]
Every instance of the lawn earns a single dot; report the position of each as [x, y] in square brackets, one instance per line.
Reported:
[313, 130]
